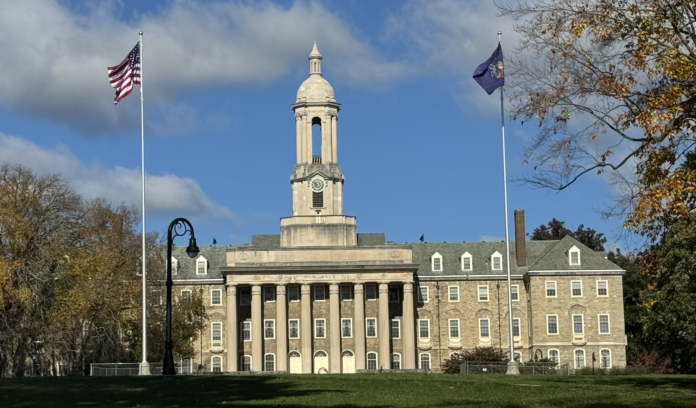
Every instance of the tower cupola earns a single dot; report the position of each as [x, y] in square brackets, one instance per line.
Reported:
[315, 61]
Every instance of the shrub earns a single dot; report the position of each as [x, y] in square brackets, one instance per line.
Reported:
[650, 361]
[487, 354]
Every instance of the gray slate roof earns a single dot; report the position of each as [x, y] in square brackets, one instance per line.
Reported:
[541, 256]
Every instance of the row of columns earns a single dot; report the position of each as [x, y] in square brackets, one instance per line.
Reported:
[306, 335]
[303, 124]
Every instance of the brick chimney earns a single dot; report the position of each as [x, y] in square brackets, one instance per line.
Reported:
[520, 248]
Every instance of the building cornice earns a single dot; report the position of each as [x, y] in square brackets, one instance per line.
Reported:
[565, 272]
[468, 277]
[305, 268]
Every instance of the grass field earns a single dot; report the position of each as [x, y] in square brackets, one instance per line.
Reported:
[360, 390]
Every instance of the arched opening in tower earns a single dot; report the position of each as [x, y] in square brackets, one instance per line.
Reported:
[316, 140]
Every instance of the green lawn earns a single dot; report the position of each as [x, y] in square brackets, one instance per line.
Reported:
[359, 390]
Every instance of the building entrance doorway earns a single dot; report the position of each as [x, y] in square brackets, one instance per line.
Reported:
[348, 360]
[295, 362]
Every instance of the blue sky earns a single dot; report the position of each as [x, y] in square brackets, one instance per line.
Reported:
[419, 142]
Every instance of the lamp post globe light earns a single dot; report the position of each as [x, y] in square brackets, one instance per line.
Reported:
[178, 227]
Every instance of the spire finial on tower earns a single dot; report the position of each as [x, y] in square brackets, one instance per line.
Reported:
[315, 61]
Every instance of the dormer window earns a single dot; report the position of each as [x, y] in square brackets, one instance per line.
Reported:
[175, 266]
[496, 261]
[201, 266]
[467, 262]
[436, 262]
[574, 256]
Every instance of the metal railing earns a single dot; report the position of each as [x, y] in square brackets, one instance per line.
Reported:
[120, 369]
[316, 159]
[500, 367]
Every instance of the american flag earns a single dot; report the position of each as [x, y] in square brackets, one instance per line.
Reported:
[126, 74]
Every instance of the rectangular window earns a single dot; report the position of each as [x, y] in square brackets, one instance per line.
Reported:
[516, 327]
[370, 292]
[320, 328]
[346, 328]
[269, 363]
[269, 293]
[497, 263]
[424, 329]
[246, 363]
[393, 294]
[453, 293]
[293, 293]
[396, 361]
[437, 264]
[466, 263]
[371, 361]
[201, 268]
[371, 327]
[395, 329]
[245, 297]
[575, 258]
[550, 289]
[319, 293]
[552, 324]
[423, 295]
[515, 293]
[484, 328]
[346, 292]
[217, 364]
[483, 293]
[553, 356]
[602, 288]
[577, 324]
[604, 324]
[216, 297]
[294, 328]
[269, 329]
[454, 328]
[576, 288]
[246, 331]
[425, 361]
[216, 329]
[185, 294]
[186, 366]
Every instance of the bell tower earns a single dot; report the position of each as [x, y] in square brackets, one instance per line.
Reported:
[317, 182]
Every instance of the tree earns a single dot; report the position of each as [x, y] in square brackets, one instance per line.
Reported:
[611, 84]
[669, 322]
[634, 285]
[556, 230]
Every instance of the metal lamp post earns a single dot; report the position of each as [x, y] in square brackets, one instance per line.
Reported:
[178, 227]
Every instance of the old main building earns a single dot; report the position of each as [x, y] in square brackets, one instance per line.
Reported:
[321, 297]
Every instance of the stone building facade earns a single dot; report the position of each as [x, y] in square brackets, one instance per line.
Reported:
[320, 297]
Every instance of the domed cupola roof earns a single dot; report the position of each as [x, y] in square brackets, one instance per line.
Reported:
[315, 88]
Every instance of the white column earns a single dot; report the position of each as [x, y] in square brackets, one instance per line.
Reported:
[281, 329]
[256, 329]
[334, 330]
[306, 329]
[231, 300]
[383, 327]
[298, 133]
[325, 140]
[334, 147]
[359, 325]
[409, 334]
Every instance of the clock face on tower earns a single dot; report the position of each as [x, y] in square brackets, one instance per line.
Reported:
[317, 184]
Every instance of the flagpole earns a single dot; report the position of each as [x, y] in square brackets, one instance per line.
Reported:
[144, 366]
[512, 364]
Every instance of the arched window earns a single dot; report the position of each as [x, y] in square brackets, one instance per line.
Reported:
[320, 354]
[217, 364]
[579, 358]
[246, 363]
[316, 141]
[347, 353]
[294, 354]
[371, 360]
[605, 358]
[425, 361]
[553, 356]
[269, 362]
[396, 361]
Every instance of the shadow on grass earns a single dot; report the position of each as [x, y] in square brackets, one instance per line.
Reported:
[178, 391]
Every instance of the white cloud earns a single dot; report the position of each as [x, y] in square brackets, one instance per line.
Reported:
[166, 194]
[54, 58]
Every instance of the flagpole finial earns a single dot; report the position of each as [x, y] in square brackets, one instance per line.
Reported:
[141, 33]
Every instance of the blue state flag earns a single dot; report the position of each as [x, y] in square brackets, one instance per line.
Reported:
[490, 74]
